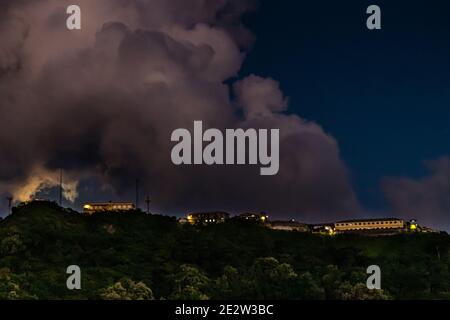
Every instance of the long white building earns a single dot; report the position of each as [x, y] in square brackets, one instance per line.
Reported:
[369, 224]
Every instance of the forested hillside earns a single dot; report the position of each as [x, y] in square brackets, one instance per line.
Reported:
[139, 256]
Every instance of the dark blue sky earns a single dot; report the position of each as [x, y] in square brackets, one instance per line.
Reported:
[384, 95]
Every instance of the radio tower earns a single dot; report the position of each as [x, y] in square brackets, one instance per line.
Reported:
[60, 187]
[147, 201]
[137, 194]
[10, 199]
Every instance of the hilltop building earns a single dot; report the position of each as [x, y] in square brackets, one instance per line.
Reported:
[426, 230]
[255, 217]
[390, 225]
[322, 228]
[369, 227]
[91, 208]
[207, 217]
[182, 220]
[289, 226]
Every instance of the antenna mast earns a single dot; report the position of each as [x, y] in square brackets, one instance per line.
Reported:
[137, 194]
[147, 201]
[60, 187]
[10, 199]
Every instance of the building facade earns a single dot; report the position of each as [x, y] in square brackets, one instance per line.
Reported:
[91, 208]
[322, 228]
[207, 218]
[369, 225]
[288, 226]
[255, 217]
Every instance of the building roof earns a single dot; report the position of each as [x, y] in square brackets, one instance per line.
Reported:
[369, 220]
[287, 223]
[321, 224]
[107, 203]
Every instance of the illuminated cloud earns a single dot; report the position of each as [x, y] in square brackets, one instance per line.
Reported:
[41, 180]
[426, 198]
[102, 102]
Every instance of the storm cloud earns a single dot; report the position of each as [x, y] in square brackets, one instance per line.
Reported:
[426, 198]
[101, 103]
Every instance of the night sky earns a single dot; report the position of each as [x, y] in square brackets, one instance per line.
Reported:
[364, 134]
[384, 95]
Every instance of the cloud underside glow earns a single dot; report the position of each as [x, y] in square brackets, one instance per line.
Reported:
[102, 102]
